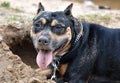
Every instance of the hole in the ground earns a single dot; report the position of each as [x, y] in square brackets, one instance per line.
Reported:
[21, 45]
[25, 50]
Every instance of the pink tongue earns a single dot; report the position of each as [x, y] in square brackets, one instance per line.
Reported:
[44, 59]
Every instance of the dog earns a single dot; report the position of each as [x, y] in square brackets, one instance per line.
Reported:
[76, 51]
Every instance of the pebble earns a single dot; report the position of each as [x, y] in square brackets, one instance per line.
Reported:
[5, 47]
[1, 38]
[10, 68]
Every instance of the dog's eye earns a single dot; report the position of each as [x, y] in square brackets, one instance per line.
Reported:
[58, 29]
[37, 27]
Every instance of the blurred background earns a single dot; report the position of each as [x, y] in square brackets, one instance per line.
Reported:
[105, 12]
[113, 4]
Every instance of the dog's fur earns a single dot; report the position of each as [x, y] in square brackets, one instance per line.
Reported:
[90, 52]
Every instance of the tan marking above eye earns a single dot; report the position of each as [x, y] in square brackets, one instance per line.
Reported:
[43, 21]
[54, 22]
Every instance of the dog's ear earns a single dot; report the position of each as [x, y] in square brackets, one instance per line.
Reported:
[68, 10]
[78, 26]
[40, 8]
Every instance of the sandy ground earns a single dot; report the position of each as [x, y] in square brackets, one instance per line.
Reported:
[12, 68]
[17, 54]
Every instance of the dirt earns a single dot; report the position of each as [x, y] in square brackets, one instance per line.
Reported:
[17, 57]
[17, 54]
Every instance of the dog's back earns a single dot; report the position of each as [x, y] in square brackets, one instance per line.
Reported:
[108, 51]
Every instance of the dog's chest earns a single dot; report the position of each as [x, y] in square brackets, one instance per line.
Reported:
[62, 69]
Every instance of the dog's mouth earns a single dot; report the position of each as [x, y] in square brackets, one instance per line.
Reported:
[45, 56]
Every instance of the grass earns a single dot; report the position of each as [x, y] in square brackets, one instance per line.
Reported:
[13, 19]
[5, 4]
[8, 6]
[16, 9]
[96, 18]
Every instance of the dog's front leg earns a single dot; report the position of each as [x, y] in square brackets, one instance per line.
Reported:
[74, 75]
[79, 70]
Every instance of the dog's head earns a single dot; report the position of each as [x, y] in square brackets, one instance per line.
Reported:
[52, 33]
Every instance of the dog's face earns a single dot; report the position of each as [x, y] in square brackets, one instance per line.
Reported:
[51, 34]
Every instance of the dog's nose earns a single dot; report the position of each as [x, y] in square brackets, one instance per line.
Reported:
[43, 41]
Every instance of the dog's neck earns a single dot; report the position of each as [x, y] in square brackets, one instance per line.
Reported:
[79, 35]
[66, 56]
[74, 44]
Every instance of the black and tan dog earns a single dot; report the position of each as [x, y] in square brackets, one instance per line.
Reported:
[77, 51]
